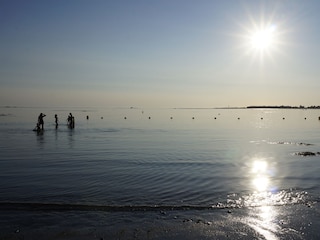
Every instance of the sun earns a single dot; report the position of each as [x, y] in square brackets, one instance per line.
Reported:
[263, 39]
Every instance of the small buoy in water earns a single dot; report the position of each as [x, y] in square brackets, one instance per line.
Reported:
[87, 117]
[305, 118]
[101, 117]
[125, 117]
[261, 118]
[283, 118]
[238, 118]
[171, 117]
[319, 118]
[193, 117]
[149, 117]
[215, 118]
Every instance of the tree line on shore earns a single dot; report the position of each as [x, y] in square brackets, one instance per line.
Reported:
[286, 107]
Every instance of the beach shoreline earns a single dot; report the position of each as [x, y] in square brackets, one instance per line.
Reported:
[298, 221]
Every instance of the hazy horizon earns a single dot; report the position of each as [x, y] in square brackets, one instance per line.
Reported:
[159, 53]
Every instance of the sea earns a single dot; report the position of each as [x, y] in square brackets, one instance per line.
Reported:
[159, 173]
[133, 159]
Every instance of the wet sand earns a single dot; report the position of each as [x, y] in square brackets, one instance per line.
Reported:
[299, 221]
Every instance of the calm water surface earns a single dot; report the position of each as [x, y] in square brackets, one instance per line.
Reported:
[160, 157]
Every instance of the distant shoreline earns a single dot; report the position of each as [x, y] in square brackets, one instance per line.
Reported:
[286, 107]
[199, 108]
[255, 107]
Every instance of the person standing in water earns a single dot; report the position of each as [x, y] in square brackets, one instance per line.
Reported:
[40, 121]
[56, 120]
[70, 121]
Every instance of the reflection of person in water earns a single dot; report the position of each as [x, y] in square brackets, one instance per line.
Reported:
[40, 121]
[56, 120]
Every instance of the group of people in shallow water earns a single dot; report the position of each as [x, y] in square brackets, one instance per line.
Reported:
[39, 127]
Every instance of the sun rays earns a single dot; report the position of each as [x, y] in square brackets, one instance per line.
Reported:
[261, 38]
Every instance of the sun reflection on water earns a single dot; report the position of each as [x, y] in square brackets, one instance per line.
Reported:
[260, 171]
[264, 221]
[259, 166]
[263, 203]
[263, 218]
[261, 183]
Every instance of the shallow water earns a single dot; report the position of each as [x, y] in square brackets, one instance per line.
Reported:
[159, 158]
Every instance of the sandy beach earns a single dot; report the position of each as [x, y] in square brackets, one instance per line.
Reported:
[267, 222]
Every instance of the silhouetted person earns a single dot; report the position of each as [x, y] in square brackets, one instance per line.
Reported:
[70, 121]
[56, 120]
[40, 121]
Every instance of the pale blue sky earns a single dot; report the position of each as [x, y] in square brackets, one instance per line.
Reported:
[168, 53]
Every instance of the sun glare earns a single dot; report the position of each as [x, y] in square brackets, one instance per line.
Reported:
[262, 39]
[259, 166]
[260, 180]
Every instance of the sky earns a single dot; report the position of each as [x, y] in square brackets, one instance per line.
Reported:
[168, 53]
